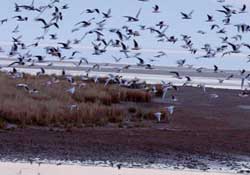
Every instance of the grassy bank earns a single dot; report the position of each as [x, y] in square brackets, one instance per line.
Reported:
[46, 101]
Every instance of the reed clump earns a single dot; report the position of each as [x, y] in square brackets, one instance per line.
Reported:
[47, 102]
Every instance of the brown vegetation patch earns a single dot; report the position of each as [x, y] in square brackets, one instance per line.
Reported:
[90, 105]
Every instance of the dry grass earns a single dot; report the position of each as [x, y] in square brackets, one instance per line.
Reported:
[90, 105]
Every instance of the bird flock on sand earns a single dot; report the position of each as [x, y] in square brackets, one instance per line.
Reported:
[124, 39]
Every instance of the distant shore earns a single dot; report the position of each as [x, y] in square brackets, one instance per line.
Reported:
[152, 76]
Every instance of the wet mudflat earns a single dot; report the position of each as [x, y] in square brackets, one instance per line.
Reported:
[203, 134]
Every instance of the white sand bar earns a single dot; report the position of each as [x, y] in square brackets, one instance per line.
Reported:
[46, 169]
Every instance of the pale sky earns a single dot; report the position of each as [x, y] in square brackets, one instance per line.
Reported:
[170, 13]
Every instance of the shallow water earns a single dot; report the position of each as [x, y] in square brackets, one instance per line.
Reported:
[246, 107]
[151, 79]
[8, 168]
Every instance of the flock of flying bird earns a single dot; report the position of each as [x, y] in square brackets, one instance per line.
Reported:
[98, 30]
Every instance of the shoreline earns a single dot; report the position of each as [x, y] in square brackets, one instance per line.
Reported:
[100, 146]
[133, 65]
[49, 167]
[207, 77]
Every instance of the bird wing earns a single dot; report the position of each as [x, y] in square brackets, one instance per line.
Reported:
[184, 15]
[176, 73]
[232, 45]
[140, 60]
[124, 47]
[138, 13]
[41, 20]
[135, 44]
[191, 13]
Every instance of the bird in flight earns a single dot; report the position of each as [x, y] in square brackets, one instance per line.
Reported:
[134, 19]
[187, 15]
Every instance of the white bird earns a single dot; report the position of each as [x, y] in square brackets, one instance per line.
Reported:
[154, 89]
[158, 116]
[110, 78]
[33, 91]
[214, 96]
[203, 87]
[71, 90]
[242, 83]
[70, 79]
[21, 85]
[82, 85]
[170, 109]
[50, 64]
[96, 79]
[166, 87]
[26, 87]
[72, 107]
[244, 93]
[165, 90]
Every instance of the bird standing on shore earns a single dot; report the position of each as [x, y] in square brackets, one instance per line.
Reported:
[158, 116]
